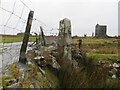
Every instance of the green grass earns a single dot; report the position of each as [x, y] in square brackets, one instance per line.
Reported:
[0, 81]
[103, 57]
[46, 81]
[94, 41]
[99, 48]
[12, 39]
[99, 40]
[52, 78]
[113, 83]
[5, 83]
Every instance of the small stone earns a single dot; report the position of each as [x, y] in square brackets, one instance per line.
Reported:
[115, 65]
[31, 86]
[38, 57]
[113, 76]
[43, 72]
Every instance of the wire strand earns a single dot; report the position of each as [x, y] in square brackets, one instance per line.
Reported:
[13, 14]
[20, 16]
[9, 27]
[24, 4]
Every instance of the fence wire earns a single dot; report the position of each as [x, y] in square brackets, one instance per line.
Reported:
[13, 23]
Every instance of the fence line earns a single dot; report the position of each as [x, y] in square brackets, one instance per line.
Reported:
[10, 51]
[11, 54]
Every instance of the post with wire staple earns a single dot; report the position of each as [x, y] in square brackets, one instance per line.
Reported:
[22, 57]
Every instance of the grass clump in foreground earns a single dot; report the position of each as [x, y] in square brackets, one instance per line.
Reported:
[34, 77]
[88, 75]
[48, 80]
[4, 82]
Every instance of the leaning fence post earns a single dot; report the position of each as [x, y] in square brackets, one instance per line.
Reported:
[43, 37]
[22, 57]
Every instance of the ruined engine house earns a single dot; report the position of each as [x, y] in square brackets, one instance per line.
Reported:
[100, 30]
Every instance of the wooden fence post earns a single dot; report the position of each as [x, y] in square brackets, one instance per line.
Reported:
[43, 42]
[22, 57]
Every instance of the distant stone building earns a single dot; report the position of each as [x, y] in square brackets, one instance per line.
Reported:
[100, 31]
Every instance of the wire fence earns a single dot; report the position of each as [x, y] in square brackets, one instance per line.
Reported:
[14, 14]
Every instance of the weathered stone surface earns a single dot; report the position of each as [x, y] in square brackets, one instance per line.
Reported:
[65, 38]
[100, 31]
[55, 63]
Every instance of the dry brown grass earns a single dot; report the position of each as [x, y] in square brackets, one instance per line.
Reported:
[88, 75]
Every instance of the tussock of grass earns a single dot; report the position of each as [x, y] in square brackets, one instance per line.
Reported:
[52, 78]
[14, 71]
[5, 83]
[26, 82]
[113, 83]
[49, 80]
[88, 75]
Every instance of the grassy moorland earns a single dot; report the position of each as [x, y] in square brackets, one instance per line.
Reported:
[87, 75]
[90, 73]
[99, 48]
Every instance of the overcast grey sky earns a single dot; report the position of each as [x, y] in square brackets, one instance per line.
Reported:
[84, 14]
